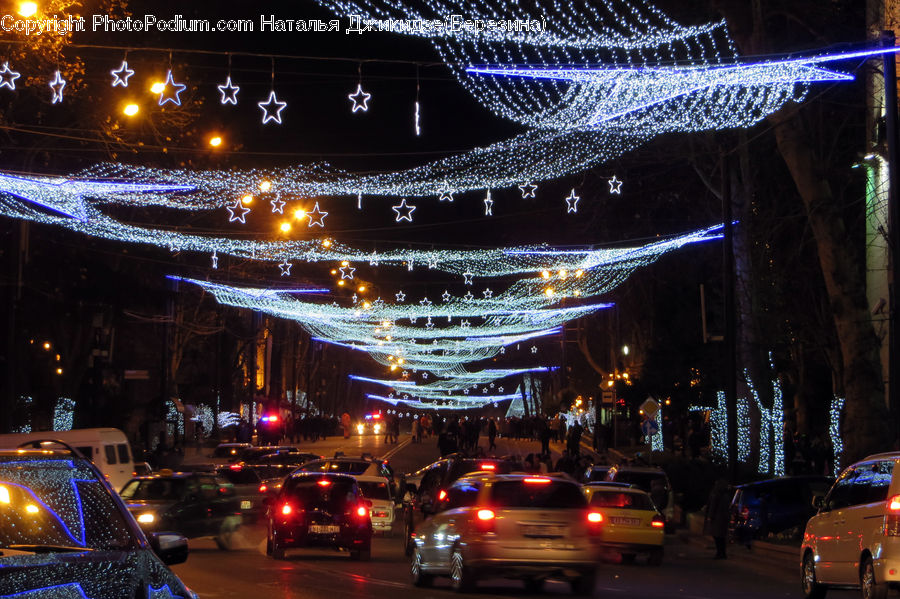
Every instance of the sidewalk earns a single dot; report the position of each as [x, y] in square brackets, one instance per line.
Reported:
[785, 558]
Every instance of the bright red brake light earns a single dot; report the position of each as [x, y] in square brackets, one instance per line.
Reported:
[362, 511]
[658, 522]
[595, 517]
[324, 482]
[442, 495]
[488, 466]
[486, 515]
[535, 480]
[235, 466]
[286, 509]
[263, 488]
[894, 503]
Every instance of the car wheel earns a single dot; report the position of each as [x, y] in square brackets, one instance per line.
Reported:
[407, 538]
[277, 549]
[871, 588]
[362, 554]
[584, 584]
[419, 577]
[655, 558]
[461, 577]
[811, 587]
[533, 586]
[628, 558]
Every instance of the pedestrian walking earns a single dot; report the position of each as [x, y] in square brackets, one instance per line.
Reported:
[492, 434]
[717, 516]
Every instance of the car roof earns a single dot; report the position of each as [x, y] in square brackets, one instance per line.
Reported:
[617, 489]
[312, 476]
[61, 454]
[370, 479]
[170, 474]
[647, 469]
[786, 479]
[888, 455]
[610, 483]
[490, 476]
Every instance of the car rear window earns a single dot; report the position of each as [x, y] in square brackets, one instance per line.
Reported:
[550, 495]
[375, 490]
[311, 494]
[621, 500]
[349, 467]
[597, 474]
[462, 467]
[643, 480]
[243, 476]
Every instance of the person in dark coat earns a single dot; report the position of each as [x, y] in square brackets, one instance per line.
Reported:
[492, 434]
[718, 514]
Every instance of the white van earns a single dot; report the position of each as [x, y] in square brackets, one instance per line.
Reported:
[106, 447]
[854, 539]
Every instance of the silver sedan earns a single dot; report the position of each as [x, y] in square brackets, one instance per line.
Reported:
[514, 526]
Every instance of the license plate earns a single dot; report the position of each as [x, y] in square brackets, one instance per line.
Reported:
[625, 521]
[322, 529]
[246, 505]
[543, 531]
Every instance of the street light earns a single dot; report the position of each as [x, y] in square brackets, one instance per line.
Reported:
[158, 87]
[131, 109]
[28, 9]
[215, 141]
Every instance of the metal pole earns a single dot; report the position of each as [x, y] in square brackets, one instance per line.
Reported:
[730, 354]
[890, 109]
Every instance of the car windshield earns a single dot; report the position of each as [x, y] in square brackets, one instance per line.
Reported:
[375, 490]
[622, 500]
[339, 466]
[312, 495]
[58, 504]
[155, 489]
[524, 494]
[597, 474]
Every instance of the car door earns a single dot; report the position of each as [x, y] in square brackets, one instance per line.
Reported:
[830, 529]
[864, 518]
[450, 520]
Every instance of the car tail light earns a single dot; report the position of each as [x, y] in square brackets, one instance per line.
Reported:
[263, 488]
[488, 467]
[658, 522]
[442, 495]
[595, 517]
[892, 518]
[485, 519]
[286, 509]
[594, 522]
[536, 480]
[324, 482]
[235, 466]
[362, 511]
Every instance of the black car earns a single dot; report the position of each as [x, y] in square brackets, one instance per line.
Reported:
[196, 504]
[423, 499]
[65, 532]
[775, 505]
[320, 510]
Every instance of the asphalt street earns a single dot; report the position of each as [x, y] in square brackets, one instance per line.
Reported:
[245, 571]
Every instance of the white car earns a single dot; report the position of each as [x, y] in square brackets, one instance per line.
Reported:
[377, 489]
[854, 539]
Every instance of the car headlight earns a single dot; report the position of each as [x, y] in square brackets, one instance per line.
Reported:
[146, 518]
[360, 428]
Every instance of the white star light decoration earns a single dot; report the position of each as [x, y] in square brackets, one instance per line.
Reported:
[285, 268]
[347, 272]
[57, 85]
[488, 205]
[445, 195]
[229, 92]
[121, 75]
[271, 108]
[572, 202]
[360, 99]
[215, 260]
[488, 294]
[401, 297]
[446, 296]
[404, 211]
[316, 217]
[277, 205]
[615, 186]
[467, 277]
[8, 77]
[172, 91]
[238, 212]
[528, 190]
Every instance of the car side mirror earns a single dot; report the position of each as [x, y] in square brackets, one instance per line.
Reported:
[170, 547]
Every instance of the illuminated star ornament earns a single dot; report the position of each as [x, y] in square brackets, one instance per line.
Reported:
[171, 92]
[360, 99]
[277, 204]
[467, 277]
[228, 92]
[404, 211]
[347, 272]
[615, 186]
[572, 202]
[528, 190]
[271, 108]
[445, 195]
[8, 77]
[488, 205]
[316, 217]
[238, 212]
[121, 75]
[57, 85]
[401, 297]
[285, 268]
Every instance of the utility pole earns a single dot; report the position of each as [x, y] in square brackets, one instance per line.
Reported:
[730, 353]
[890, 109]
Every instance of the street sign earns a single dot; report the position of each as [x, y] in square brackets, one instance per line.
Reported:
[649, 407]
[608, 397]
[649, 427]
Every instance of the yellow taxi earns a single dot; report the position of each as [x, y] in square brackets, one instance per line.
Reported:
[632, 524]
